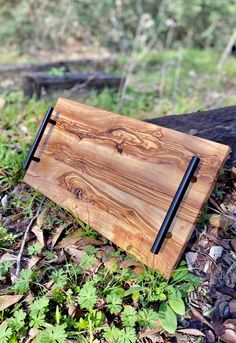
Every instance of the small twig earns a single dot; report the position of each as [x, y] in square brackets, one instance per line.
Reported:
[210, 260]
[84, 84]
[227, 50]
[200, 317]
[233, 218]
[19, 257]
[214, 203]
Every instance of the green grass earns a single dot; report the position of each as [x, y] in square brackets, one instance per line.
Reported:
[12, 54]
[19, 121]
[184, 81]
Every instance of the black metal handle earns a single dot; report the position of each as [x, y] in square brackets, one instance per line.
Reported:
[38, 137]
[175, 204]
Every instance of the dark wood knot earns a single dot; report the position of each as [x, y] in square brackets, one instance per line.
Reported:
[78, 193]
[119, 148]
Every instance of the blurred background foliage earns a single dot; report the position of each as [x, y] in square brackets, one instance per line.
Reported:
[117, 23]
[175, 55]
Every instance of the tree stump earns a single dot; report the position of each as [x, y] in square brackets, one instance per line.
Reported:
[218, 125]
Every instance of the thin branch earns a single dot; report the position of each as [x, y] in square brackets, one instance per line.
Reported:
[19, 257]
[233, 218]
[214, 203]
[227, 50]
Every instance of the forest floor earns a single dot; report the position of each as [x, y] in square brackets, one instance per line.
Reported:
[62, 282]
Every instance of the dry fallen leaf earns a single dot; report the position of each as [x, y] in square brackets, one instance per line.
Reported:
[33, 261]
[196, 314]
[233, 244]
[58, 233]
[8, 300]
[213, 233]
[105, 252]
[214, 220]
[138, 270]
[223, 208]
[191, 258]
[108, 249]
[39, 234]
[76, 254]
[151, 332]
[8, 257]
[192, 332]
[3, 172]
[130, 263]
[4, 201]
[215, 253]
[229, 335]
[109, 263]
[71, 238]
[232, 208]
[41, 217]
[136, 266]
[72, 309]
[74, 239]
[32, 333]
[48, 284]
[220, 220]
[37, 228]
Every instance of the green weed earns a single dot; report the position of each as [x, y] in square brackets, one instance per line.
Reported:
[35, 249]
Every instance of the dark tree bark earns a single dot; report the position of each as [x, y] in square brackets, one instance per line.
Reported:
[218, 125]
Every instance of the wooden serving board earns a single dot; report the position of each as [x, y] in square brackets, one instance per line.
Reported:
[119, 175]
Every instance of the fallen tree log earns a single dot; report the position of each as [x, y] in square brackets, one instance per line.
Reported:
[218, 125]
[33, 83]
[30, 67]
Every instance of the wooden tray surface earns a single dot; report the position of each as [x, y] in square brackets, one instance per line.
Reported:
[119, 175]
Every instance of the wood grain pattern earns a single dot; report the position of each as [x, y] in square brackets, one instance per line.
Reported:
[119, 175]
